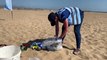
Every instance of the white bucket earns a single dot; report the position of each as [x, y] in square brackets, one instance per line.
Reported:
[10, 53]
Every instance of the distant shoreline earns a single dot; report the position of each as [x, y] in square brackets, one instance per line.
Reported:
[49, 9]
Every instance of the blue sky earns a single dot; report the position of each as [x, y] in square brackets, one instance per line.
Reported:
[89, 5]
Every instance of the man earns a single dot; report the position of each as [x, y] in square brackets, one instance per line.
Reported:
[68, 16]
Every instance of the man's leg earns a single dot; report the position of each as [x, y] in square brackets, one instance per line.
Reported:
[78, 33]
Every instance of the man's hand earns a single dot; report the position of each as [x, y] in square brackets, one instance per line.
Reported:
[60, 37]
[55, 36]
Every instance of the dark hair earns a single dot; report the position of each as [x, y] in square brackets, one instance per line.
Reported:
[51, 18]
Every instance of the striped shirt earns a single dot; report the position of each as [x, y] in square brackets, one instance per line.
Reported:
[70, 13]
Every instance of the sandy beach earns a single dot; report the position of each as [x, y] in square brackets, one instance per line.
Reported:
[29, 25]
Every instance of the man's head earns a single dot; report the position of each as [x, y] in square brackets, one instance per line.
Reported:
[51, 18]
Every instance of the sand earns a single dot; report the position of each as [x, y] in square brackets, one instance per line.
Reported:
[29, 25]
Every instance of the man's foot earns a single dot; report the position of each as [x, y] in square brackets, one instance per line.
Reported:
[76, 51]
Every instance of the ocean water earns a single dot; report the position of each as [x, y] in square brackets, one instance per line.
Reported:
[86, 5]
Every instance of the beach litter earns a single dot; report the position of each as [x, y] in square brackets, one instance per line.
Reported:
[51, 44]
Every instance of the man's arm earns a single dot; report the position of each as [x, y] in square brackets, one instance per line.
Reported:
[56, 28]
[66, 29]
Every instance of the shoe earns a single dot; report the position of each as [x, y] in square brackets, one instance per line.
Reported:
[76, 51]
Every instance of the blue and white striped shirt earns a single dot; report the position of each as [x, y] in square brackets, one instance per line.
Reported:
[71, 13]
